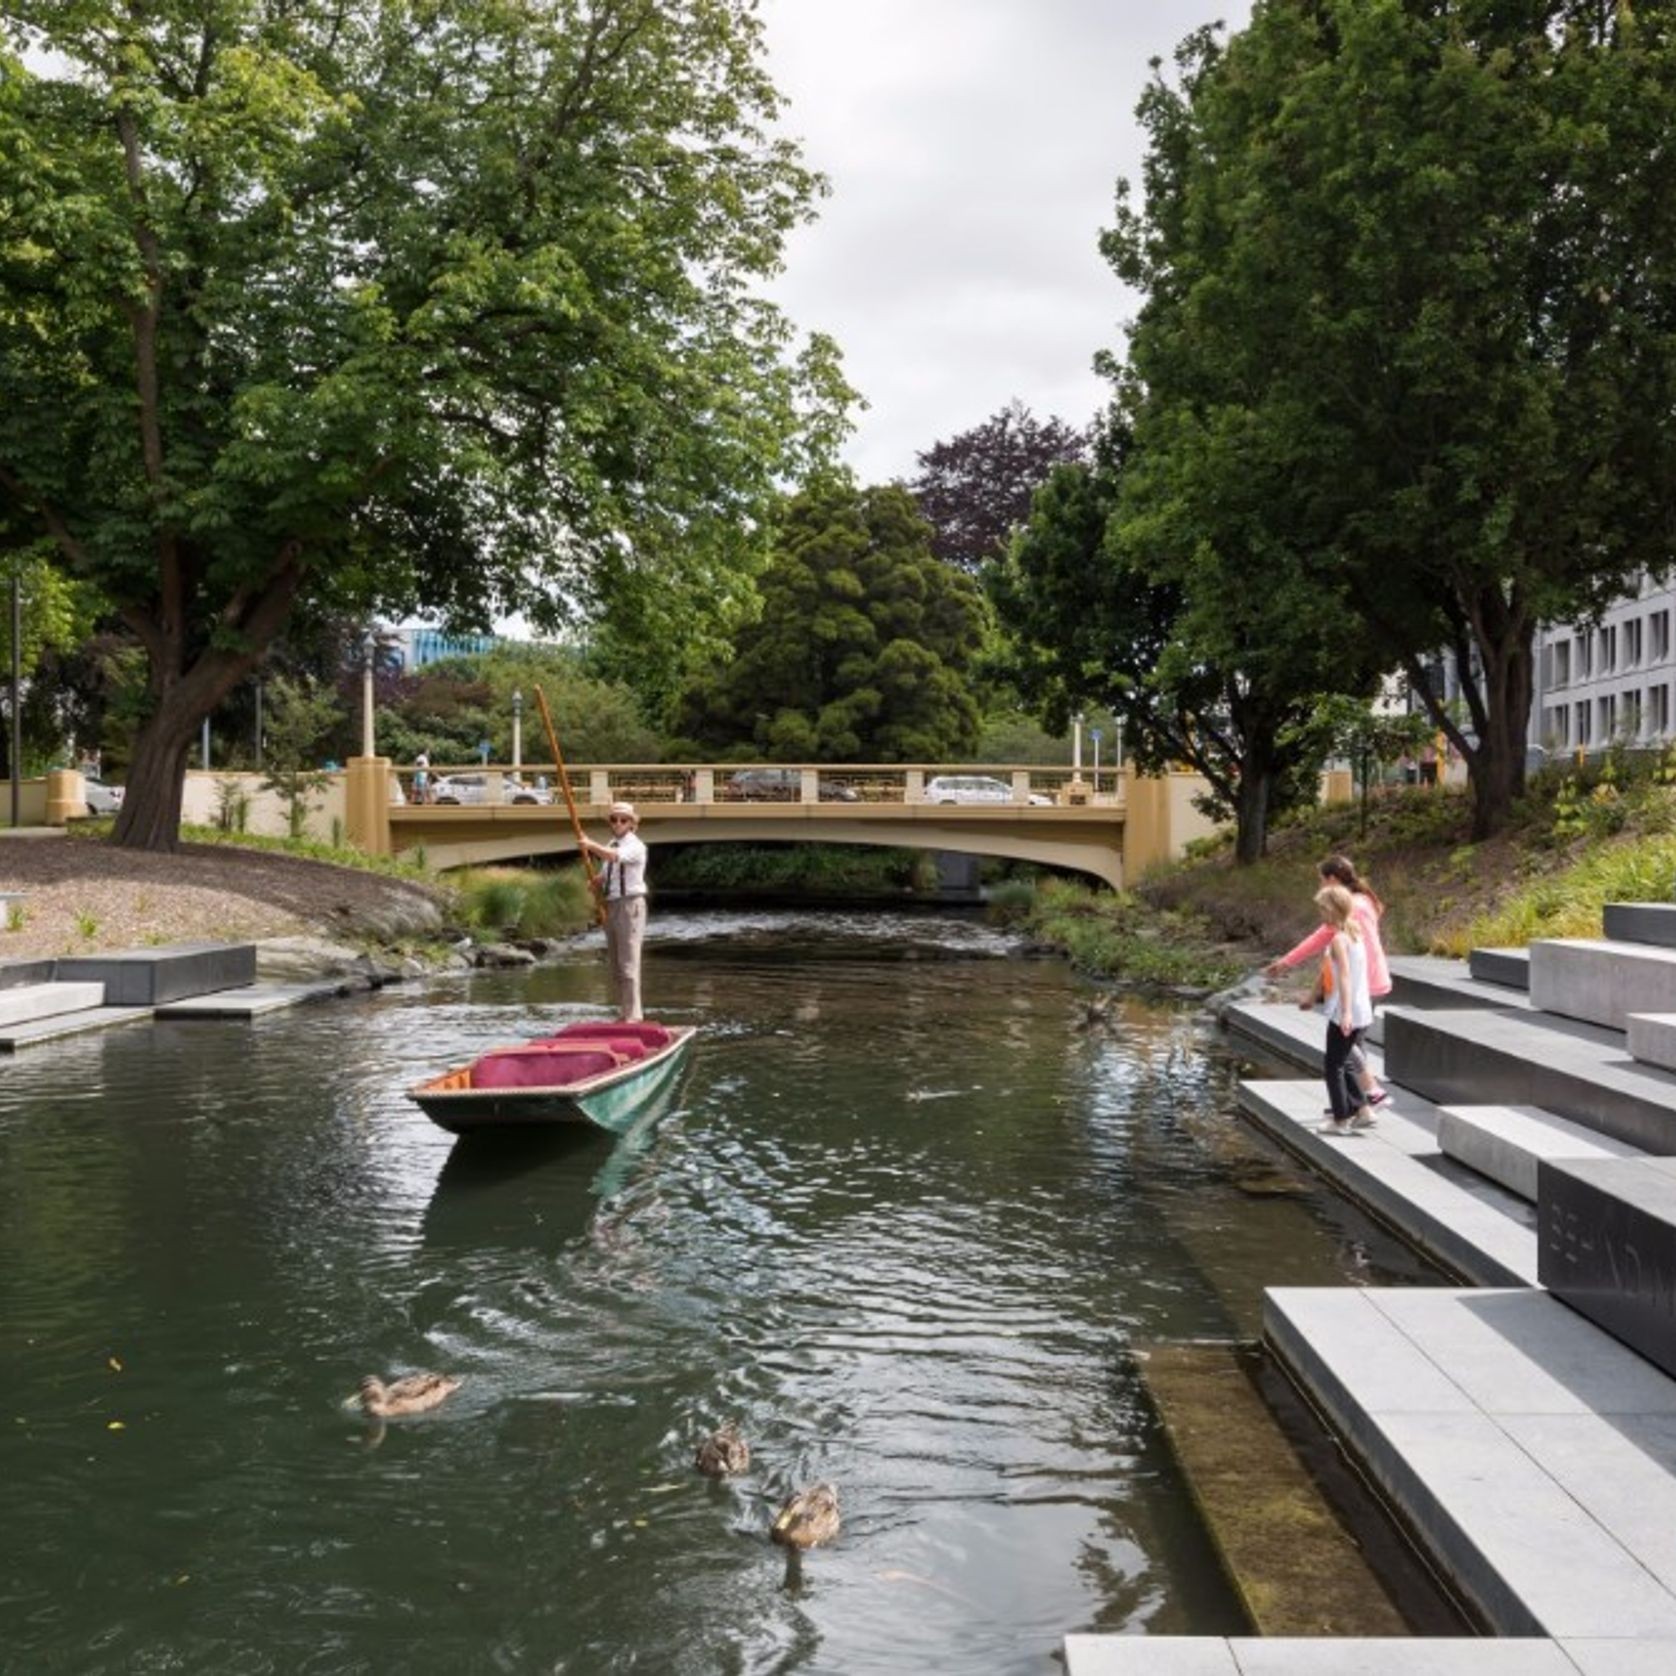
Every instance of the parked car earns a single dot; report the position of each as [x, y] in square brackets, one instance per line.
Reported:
[100, 798]
[460, 788]
[520, 791]
[783, 785]
[975, 788]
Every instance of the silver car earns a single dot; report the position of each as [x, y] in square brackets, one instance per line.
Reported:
[100, 798]
[976, 788]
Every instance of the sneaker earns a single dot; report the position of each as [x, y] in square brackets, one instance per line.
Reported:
[1333, 1127]
[1380, 1097]
[1363, 1119]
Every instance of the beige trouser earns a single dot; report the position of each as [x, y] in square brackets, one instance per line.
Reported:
[625, 927]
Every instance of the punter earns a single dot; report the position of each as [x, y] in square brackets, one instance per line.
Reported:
[623, 886]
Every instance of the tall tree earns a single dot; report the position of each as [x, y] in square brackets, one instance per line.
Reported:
[385, 303]
[974, 490]
[864, 646]
[1426, 251]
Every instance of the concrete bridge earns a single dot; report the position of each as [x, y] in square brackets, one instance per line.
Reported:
[1054, 817]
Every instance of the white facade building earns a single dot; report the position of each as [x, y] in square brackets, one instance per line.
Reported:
[1611, 681]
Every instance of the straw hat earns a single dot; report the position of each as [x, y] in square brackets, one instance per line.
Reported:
[625, 809]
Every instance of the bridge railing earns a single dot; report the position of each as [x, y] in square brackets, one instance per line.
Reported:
[1026, 785]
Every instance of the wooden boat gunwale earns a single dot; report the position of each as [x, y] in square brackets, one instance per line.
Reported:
[450, 1092]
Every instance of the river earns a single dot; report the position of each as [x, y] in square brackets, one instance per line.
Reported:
[905, 1220]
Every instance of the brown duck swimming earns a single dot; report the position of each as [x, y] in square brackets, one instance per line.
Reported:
[723, 1452]
[808, 1519]
[414, 1393]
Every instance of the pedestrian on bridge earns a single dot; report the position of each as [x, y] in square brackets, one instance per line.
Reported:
[622, 883]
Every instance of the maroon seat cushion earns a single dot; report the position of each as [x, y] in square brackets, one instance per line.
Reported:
[639, 1030]
[538, 1067]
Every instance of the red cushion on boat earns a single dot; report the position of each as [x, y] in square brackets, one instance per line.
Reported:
[537, 1067]
[639, 1030]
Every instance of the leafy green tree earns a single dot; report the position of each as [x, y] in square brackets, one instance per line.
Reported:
[864, 646]
[380, 304]
[298, 718]
[1423, 256]
[58, 614]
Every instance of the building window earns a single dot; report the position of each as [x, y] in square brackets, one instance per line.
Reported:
[1583, 723]
[1556, 731]
[1659, 636]
[1629, 713]
[1658, 712]
[1583, 660]
[1632, 644]
[1607, 706]
[1608, 649]
[1561, 654]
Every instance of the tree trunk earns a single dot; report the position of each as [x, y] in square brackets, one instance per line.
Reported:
[150, 815]
[1498, 765]
[1251, 811]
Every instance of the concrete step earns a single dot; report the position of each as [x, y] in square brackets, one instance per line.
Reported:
[1423, 980]
[1470, 1226]
[18, 1036]
[1602, 982]
[1642, 922]
[1506, 1143]
[1511, 968]
[152, 977]
[1652, 1039]
[1291, 1655]
[1248, 1483]
[1532, 1456]
[1505, 1058]
[249, 1002]
[1609, 1246]
[1283, 1031]
[28, 1002]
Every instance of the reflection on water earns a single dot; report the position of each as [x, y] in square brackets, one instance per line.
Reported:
[902, 1221]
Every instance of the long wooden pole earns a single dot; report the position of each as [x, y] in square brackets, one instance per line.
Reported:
[569, 801]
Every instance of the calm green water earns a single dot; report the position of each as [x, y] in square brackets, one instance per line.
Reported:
[904, 1220]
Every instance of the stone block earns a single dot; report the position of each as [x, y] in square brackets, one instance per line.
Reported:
[1602, 982]
[1505, 1143]
[1652, 1039]
[15, 973]
[1493, 1058]
[28, 1002]
[1511, 968]
[1642, 922]
[1427, 981]
[1607, 1247]
[150, 977]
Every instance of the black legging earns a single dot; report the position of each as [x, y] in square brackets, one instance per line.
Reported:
[1343, 1094]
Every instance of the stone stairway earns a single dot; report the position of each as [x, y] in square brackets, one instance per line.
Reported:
[1526, 1436]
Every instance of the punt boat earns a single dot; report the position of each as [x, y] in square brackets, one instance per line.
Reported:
[599, 1071]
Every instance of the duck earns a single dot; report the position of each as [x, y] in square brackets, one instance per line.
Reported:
[414, 1393]
[723, 1452]
[808, 1519]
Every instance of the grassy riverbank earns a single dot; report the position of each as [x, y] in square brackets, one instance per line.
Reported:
[1578, 841]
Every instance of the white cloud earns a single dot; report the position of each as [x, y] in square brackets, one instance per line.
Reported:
[973, 148]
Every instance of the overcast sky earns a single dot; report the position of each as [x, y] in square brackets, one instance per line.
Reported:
[973, 147]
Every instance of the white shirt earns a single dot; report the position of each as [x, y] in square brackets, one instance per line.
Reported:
[625, 873]
[1360, 1004]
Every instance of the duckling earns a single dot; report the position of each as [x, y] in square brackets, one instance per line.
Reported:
[723, 1452]
[414, 1393]
[808, 1519]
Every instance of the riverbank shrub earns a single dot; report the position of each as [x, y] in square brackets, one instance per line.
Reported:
[1114, 934]
[524, 902]
[308, 849]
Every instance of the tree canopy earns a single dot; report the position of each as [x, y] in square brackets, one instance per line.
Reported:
[974, 490]
[383, 304]
[1411, 268]
[864, 647]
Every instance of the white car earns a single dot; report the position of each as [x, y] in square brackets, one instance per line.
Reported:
[460, 788]
[976, 788]
[100, 798]
[519, 792]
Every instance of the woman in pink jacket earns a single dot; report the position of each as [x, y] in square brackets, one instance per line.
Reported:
[1366, 909]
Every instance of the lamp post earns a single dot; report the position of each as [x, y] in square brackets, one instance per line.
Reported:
[369, 651]
[1094, 734]
[1076, 745]
[517, 730]
[258, 724]
[16, 720]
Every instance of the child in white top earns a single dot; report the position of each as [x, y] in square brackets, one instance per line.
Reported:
[1349, 1010]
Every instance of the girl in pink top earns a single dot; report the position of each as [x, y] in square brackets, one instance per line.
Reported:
[1366, 909]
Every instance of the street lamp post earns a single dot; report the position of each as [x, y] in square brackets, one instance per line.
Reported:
[1094, 734]
[517, 730]
[258, 724]
[16, 719]
[369, 651]
[1076, 746]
